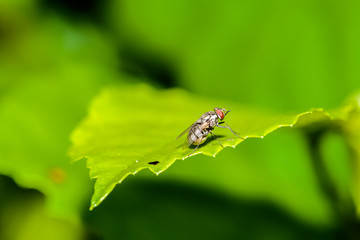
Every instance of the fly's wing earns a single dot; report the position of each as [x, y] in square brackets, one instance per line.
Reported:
[185, 131]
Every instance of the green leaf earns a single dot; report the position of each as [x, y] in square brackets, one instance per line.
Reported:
[44, 92]
[36, 119]
[352, 133]
[130, 127]
[23, 216]
[150, 203]
[245, 51]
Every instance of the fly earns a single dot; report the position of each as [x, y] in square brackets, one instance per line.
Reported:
[199, 130]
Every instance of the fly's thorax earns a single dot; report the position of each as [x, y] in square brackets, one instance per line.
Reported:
[205, 117]
[213, 121]
[205, 125]
[209, 117]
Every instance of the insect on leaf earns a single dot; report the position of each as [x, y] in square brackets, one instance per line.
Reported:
[130, 128]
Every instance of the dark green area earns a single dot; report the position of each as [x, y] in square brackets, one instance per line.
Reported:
[153, 209]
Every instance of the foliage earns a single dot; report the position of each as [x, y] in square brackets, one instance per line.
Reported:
[131, 128]
[39, 107]
[266, 61]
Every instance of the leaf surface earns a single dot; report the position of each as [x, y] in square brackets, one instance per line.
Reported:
[130, 128]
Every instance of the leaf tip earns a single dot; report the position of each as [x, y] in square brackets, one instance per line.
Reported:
[92, 206]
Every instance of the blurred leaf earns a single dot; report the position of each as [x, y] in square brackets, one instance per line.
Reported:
[352, 133]
[129, 128]
[49, 70]
[245, 51]
[23, 216]
[17, 9]
[36, 119]
[155, 209]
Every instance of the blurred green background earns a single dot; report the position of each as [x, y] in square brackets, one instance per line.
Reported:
[284, 56]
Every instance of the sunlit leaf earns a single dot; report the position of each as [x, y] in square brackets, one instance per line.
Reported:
[131, 128]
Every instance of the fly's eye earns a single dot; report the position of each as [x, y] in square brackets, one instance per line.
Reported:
[220, 114]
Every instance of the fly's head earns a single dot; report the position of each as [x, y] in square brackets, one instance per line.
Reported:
[221, 112]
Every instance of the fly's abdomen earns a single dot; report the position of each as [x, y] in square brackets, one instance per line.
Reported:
[200, 140]
[197, 135]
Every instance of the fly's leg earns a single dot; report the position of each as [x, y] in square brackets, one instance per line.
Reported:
[227, 126]
[194, 149]
[213, 135]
